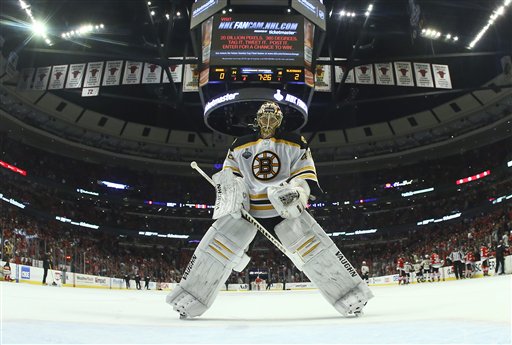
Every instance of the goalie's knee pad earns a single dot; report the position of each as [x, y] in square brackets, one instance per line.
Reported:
[221, 250]
[324, 264]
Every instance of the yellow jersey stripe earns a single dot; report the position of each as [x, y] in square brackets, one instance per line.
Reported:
[262, 208]
[258, 196]
[308, 176]
[232, 168]
[309, 167]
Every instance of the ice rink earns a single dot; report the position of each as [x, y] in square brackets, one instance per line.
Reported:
[476, 311]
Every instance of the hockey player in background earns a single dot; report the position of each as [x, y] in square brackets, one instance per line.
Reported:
[436, 263]
[408, 270]
[426, 268]
[400, 263]
[7, 271]
[418, 271]
[270, 174]
[484, 256]
[365, 272]
[470, 264]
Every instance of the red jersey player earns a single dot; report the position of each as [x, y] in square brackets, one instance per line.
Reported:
[470, 263]
[435, 263]
[400, 262]
[484, 256]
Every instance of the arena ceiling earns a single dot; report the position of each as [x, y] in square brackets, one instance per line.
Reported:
[131, 32]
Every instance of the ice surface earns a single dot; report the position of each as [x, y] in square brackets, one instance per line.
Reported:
[476, 311]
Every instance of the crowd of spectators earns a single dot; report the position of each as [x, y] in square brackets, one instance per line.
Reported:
[50, 189]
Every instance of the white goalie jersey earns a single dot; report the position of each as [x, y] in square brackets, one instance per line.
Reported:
[269, 162]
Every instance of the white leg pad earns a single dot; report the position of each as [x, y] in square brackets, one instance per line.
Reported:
[324, 264]
[221, 250]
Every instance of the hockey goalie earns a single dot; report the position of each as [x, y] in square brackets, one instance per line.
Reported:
[270, 174]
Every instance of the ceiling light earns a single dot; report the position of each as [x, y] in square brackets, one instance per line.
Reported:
[492, 18]
[178, 13]
[448, 36]
[39, 28]
[24, 5]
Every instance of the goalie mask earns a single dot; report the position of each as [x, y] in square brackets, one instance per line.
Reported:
[268, 119]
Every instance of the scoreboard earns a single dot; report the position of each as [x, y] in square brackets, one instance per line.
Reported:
[249, 58]
[288, 75]
[251, 49]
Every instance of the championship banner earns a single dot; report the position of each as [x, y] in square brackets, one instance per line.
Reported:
[57, 77]
[42, 77]
[191, 78]
[25, 80]
[323, 78]
[132, 72]
[340, 70]
[384, 74]
[93, 74]
[176, 72]
[403, 73]
[364, 74]
[112, 73]
[152, 74]
[423, 75]
[75, 76]
[442, 76]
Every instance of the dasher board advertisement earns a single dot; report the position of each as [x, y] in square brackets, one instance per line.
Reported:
[257, 40]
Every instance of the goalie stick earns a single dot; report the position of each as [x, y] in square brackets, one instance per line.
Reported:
[294, 257]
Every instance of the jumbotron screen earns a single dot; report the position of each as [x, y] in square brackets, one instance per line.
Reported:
[257, 40]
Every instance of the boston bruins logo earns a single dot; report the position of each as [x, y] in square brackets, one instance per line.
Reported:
[266, 165]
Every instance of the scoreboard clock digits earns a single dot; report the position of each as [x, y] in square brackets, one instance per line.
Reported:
[264, 75]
